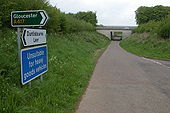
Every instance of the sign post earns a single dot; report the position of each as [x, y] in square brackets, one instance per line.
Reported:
[19, 42]
[33, 58]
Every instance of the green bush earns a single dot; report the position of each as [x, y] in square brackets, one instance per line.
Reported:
[53, 24]
[161, 28]
[88, 17]
[164, 28]
[58, 21]
[73, 25]
[151, 26]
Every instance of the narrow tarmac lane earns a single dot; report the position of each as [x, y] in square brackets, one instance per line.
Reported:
[125, 83]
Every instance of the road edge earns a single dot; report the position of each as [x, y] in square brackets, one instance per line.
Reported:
[99, 54]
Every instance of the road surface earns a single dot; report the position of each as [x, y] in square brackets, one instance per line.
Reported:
[125, 83]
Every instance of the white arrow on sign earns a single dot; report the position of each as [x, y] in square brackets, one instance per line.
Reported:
[43, 17]
[33, 37]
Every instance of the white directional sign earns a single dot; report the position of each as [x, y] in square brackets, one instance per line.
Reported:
[33, 37]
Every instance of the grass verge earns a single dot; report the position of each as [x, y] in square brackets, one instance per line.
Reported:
[72, 58]
[147, 45]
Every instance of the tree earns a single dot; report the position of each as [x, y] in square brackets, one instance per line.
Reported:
[88, 17]
[145, 14]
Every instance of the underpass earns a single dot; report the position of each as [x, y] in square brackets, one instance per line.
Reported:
[110, 31]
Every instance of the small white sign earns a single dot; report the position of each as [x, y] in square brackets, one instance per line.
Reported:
[32, 37]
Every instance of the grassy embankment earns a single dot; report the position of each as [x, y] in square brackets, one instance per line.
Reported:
[150, 40]
[148, 46]
[72, 58]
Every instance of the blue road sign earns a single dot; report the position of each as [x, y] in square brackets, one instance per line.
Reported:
[34, 62]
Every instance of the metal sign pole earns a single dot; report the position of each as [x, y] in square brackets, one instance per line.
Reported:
[41, 77]
[30, 84]
[19, 43]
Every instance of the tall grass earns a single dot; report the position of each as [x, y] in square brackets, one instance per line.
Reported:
[72, 58]
[150, 40]
[147, 45]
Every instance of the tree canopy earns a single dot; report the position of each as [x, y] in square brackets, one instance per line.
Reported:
[88, 16]
[145, 14]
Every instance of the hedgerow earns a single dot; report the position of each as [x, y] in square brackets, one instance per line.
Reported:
[58, 22]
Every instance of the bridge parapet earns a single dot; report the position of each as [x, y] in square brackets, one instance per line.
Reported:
[116, 28]
[110, 30]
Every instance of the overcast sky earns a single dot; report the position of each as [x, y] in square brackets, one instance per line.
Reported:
[109, 12]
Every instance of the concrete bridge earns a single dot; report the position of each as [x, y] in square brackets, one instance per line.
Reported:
[110, 31]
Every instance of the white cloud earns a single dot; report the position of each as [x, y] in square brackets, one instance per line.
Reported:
[109, 12]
